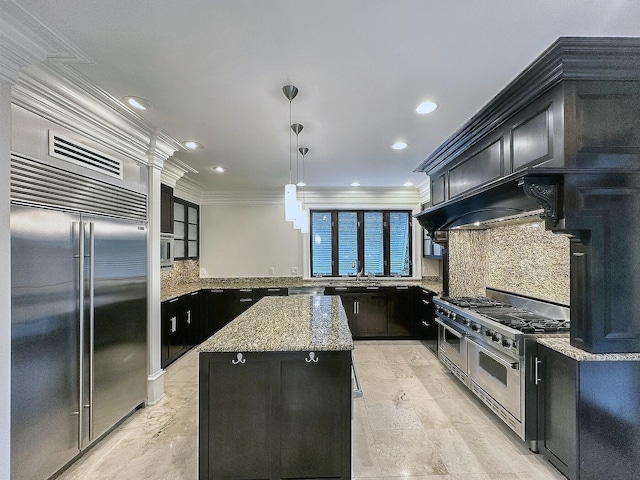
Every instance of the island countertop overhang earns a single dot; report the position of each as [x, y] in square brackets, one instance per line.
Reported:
[279, 324]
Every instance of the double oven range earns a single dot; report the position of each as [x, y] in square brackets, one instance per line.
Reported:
[489, 344]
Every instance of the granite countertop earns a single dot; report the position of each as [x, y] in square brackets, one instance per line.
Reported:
[297, 323]
[177, 289]
[561, 345]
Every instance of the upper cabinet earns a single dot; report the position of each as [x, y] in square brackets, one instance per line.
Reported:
[166, 209]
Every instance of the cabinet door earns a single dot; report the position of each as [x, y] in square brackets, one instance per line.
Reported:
[173, 331]
[217, 312]
[235, 423]
[557, 428]
[371, 316]
[166, 208]
[190, 316]
[349, 302]
[316, 419]
[400, 302]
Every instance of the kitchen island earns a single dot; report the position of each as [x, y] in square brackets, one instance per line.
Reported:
[275, 392]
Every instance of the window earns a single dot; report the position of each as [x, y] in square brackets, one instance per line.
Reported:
[185, 229]
[345, 242]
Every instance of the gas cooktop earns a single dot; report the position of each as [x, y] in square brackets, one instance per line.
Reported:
[509, 316]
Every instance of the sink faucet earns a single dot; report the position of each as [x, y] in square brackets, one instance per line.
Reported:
[359, 270]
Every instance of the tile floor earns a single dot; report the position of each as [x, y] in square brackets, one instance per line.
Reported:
[414, 421]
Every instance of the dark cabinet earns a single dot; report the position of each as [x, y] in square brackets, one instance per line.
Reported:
[217, 311]
[274, 291]
[371, 315]
[275, 415]
[557, 425]
[242, 299]
[166, 208]
[424, 325]
[589, 415]
[366, 311]
[179, 330]
[400, 302]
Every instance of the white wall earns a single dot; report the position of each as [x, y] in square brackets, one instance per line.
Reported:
[246, 240]
[243, 235]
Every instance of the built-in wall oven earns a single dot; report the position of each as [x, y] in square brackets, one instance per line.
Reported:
[484, 342]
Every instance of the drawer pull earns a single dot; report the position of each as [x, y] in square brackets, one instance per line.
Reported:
[311, 358]
[238, 359]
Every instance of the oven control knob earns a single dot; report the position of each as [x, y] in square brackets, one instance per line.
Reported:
[496, 337]
[475, 327]
[506, 342]
[488, 332]
[465, 321]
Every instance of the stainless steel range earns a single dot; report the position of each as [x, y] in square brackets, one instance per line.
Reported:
[484, 341]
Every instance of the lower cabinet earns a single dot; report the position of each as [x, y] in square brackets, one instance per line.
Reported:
[424, 325]
[273, 415]
[180, 318]
[589, 416]
[216, 312]
[388, 311]
[400, 305]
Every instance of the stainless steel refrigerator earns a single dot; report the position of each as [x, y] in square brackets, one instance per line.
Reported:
[78, 331]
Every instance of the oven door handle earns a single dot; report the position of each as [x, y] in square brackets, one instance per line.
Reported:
[498, 358]
[449, 329]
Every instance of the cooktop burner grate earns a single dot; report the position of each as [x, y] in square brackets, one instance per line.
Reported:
[474, 302]
[526, 322]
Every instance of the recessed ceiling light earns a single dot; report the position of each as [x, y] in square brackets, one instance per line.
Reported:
[426, 107]
[301, 184]
[219, 169]
[139, 103]
[399, 146]
[355, 184]
[408, 184]
[191, 145]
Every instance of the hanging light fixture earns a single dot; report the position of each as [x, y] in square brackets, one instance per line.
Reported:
[290, 91]
[304, 222]
[303, 151]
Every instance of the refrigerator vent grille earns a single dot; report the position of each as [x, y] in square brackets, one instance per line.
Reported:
[66, 149]
[34, 182]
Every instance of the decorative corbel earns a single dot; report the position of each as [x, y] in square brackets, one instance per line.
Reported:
[546, 191]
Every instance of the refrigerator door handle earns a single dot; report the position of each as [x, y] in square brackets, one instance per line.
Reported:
[81, 332]
[91, 324]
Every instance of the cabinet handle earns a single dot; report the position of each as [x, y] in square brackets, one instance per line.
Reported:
[238, 359]
[373, 288]
[426, 302]
[188, 317]
[174, 300]
[426, 324]
[216, 291]
[273, 289]
[245, 300]
[311, 358]
[245, 289]
[536, 377]
[402, 288]
[194, 294]
[341, 289]
[174, 324]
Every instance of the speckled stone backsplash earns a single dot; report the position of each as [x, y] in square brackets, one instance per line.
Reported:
[524, 259]
[468, 262]
[183, 271]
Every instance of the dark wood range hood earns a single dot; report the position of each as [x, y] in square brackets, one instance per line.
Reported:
[564, 136]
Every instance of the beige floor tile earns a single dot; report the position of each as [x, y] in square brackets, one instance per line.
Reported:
[415, 422]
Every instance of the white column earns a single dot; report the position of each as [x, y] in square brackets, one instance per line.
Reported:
[155, 379]
[5, 279]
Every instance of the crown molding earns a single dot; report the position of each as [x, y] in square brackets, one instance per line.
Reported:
[174, 170]
[329, 197]
[62, 95]
[25, 40]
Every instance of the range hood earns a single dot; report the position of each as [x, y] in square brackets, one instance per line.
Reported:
[523, 194]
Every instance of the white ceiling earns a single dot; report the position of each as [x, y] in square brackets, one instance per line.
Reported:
[215, 68]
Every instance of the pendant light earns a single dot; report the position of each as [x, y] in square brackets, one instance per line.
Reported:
[303, 151]
[304, 225]
[290, 92]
